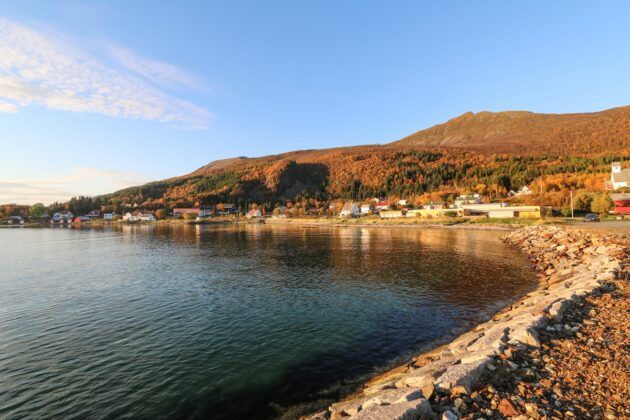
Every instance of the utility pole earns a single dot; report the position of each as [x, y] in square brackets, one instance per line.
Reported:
[541, 195]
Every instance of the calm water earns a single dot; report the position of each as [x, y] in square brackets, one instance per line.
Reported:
[230, 322]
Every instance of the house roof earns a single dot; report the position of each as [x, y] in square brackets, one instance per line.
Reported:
[623, 176]
[348, 206]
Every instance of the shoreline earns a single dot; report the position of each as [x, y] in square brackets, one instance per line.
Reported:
[374, 223]
[571, 264]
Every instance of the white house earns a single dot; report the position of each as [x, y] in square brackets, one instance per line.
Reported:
[254, 213]
[468, 199]
[366, 208]
[138, 217]
[350, 209]
[619, 178]
[109, 216]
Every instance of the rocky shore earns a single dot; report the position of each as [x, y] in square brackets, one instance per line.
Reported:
[539, 358]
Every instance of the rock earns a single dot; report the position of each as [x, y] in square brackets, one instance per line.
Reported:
[371, 402]
[605, 276]
[410, 410]
[506, 408]
[462, 375]
[460, 405]
[413, 395]
[524, 334]
[423, 382]
[449, 415]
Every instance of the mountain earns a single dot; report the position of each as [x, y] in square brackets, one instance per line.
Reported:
[491, 152]
[528, 132]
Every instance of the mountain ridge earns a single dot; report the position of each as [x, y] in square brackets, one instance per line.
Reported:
[499, 150]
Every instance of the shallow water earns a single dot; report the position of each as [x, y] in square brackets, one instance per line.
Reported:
[230, 321]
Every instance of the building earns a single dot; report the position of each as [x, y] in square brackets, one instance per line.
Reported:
[62, 217]
[226, 209]
[503, 210]
[468, 199]
[254, 214]
[366, 208]
[619, 178]
[138, 216]
[389, 214]
[434, 206]
[15, 220]
[94, 214]
[350, 209]
[383, 205]
[437, 212]
[622, 203]
[199, 211]
[109, 216]
[483, 207]
[82, 219]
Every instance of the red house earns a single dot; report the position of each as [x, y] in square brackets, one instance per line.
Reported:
[622, 203]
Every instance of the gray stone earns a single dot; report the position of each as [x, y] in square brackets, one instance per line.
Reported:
[449, 415]
[463, 375]
[524, 334]
[410, 410]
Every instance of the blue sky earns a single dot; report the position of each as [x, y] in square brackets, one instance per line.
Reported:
[96, 96]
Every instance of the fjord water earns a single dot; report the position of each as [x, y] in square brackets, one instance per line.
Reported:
[230, 321]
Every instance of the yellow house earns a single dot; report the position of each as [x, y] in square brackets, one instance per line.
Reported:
[437, 213]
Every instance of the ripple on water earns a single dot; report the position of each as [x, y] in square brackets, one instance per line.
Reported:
[229, 321]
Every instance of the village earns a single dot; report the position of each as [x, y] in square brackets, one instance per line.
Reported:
[613, 203]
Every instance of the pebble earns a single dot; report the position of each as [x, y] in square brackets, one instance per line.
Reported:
[449, 415]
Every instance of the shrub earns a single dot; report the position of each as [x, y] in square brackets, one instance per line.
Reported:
[601, 203]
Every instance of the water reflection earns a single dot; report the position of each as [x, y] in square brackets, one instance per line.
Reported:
[232, 321]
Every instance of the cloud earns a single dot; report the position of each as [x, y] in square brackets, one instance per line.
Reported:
[8, 108]
[42, 68]
[164, 74]
[78, 181]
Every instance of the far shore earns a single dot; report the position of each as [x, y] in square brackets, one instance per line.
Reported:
[612, 226]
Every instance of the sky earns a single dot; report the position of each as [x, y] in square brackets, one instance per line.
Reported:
[96, 96]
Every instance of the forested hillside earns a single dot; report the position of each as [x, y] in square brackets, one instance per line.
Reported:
[490, 153]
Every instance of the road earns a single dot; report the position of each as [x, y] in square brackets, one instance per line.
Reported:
[612, 226]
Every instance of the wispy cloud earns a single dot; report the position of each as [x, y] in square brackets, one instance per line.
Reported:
[159, 72]
[9, 108]
[79, 181]
[42, 68]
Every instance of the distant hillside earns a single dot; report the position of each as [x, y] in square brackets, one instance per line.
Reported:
[528, 132]
[488, 152]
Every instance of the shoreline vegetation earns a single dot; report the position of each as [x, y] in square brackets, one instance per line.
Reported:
[485, 373]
